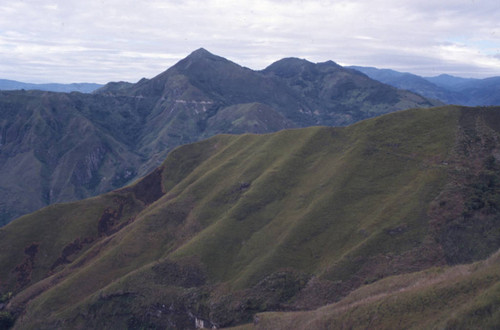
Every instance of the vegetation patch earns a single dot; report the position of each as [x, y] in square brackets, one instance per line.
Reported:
[184, 273]
[25, 268]
[70, 250]
[6, 320]
[469, 213]
[149, 189]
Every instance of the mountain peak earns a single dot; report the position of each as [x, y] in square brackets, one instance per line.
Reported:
[445, 75]
[201, 52]
[293, 61]
[200, 56]
[329, 64]
[292, 66]
[288, 66]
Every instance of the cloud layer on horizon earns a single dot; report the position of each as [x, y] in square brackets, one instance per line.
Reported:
[106, 40]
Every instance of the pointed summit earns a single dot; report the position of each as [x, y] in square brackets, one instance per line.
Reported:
[200, 59]
[201, 52]
[329, 63]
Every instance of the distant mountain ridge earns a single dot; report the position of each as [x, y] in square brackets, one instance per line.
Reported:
[51, 87]
[446, 88]
[59, 147]
[451, 82]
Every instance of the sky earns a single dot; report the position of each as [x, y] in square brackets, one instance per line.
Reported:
[124, 40]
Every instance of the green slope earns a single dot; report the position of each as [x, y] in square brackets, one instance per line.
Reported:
[236, 225]
[459, 297]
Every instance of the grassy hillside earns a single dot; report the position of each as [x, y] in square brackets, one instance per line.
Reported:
[459, 297]
[236, 225]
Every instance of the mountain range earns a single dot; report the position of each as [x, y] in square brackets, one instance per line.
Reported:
[52, 87]
[57, 147]
[391, 222]
[446, 88]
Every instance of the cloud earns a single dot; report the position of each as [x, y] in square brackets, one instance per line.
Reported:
[104, 40]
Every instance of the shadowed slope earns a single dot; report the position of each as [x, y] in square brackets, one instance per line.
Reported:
[53, 149]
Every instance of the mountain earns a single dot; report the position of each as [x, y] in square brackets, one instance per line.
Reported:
[446, 88]
[484, 91]
[394, 219]
[338, 96]
[473, 91]
[53, 149]
[58, 147]
[451, 82]
[113, 86]
[411, 82]
[65, 88]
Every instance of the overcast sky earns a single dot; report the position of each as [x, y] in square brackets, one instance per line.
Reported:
[110, 40]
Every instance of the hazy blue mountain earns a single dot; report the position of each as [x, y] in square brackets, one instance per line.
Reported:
[112, 87]
[52, 87]
[412, 82]
[482, 91]
[448, 89]
[451, 82]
